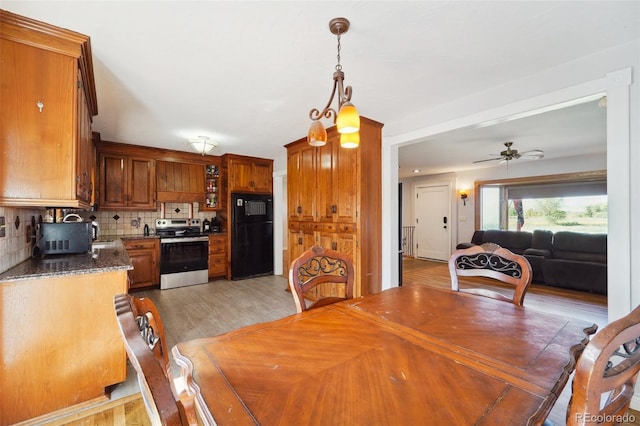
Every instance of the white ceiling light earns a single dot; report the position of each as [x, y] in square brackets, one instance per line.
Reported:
[203, 144]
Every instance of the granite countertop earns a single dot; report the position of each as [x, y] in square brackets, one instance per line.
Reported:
[107, 237]
[111, 258]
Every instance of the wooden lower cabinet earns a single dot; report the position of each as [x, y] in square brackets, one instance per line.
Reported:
[60, 342]
[144, 255]
[217, 255]
[302, 236]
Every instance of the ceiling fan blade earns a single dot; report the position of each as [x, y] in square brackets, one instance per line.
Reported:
[534, 154]
[489, 159]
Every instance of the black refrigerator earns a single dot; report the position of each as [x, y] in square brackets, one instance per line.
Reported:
[251, 235]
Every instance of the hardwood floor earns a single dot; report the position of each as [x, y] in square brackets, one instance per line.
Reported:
[221, 306]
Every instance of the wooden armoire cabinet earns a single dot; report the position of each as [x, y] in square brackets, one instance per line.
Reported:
[48, 101]
[335, 200]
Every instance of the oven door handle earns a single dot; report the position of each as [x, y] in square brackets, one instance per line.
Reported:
[183, 240]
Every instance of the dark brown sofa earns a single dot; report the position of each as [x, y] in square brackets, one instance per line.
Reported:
[572, 260]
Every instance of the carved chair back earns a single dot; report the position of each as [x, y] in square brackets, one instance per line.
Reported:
[318, 266]
[491, 261]
[606, 374]
[144, 339]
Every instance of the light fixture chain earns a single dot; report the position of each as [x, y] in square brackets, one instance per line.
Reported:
[338, 66]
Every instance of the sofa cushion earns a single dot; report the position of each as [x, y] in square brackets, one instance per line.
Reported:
[579, 246]
[516, 241]
[542, 240]
[576, 275]
[476, 240]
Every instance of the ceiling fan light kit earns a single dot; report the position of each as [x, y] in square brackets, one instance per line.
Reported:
[513, 154]
[347, 119]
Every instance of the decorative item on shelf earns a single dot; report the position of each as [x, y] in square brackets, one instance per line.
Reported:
[203, 144]
[212, 201]
[463, 196]
[211, 188]
[347, 119]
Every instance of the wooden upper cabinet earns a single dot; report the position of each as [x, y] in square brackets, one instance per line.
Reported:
[300, 183]
[86, 151]
[126, 182]
[180, 182]
[249, 174]
[48, 101]
[322, 182]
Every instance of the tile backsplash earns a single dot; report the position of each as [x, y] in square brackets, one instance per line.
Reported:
[119, 223]
[14, 247]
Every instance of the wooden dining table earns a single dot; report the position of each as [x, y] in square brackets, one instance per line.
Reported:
[412, 355]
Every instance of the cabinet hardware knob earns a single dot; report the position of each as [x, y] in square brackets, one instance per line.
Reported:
[334, 209]
[299, 210]
[40, 105]
[334, 246]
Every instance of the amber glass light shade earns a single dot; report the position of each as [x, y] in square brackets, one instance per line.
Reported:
[317, 134]
[348, 120]
[350, 140]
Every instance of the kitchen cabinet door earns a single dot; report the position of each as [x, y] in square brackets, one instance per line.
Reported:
[144, 256]
[217, 255]
[343, 243]
[249, 174]
[141, 183]
[344, 178]
[240, 178]
[180, 182]
[301, 185]
[48, 101]
[301, 240]
[38, 139]
[262, 172]
[126, 182]
[86, 151]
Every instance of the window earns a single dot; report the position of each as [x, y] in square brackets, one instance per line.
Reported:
[554, 203]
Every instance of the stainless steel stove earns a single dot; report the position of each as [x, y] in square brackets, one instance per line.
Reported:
[184, 253]
[178, 227]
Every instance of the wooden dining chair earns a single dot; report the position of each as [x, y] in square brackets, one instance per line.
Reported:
[319, 266]
[491, 261]
[606, 374]
[143, 334]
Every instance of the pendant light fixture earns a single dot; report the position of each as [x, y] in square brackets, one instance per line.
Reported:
[347, 119]
[203, 144]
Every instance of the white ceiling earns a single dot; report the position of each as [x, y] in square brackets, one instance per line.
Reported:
[246, 73]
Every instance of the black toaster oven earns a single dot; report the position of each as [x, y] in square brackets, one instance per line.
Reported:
[64, 238]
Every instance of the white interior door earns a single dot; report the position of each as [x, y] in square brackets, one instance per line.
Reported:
[433, 222]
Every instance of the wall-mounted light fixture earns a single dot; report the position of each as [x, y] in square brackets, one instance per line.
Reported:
[347, 119]
[463, 196]
[203, 144]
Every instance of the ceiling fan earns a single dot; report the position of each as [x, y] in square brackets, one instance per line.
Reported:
[513, 154]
